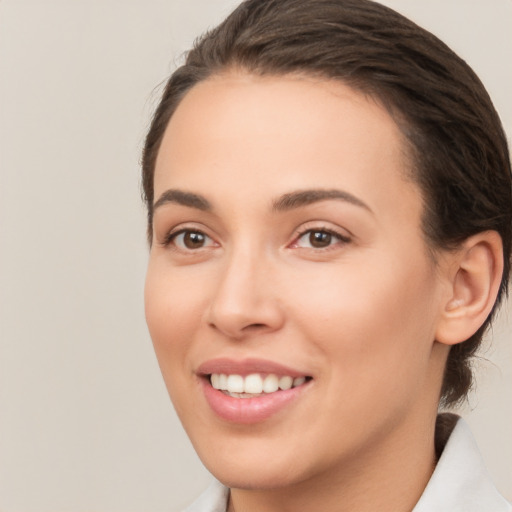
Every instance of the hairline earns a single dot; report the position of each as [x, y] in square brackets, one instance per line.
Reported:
[409, 152]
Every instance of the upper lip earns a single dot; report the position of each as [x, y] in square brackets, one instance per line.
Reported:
[246, 367]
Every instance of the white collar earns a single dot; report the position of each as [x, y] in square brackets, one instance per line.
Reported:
[214, 499]
[460, 482]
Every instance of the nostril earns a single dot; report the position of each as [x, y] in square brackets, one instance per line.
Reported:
[254, 327]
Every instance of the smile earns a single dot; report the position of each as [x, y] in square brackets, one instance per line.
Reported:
[253, 385]
[252, 390]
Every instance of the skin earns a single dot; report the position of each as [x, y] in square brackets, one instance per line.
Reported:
[360, 315]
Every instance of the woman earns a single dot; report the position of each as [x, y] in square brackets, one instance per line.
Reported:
[330, 219]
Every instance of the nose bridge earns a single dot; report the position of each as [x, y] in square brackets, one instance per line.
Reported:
[244, 299]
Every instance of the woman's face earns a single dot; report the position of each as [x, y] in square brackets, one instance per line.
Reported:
[288, 251]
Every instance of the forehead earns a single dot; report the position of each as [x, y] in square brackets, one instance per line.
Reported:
[242, 132]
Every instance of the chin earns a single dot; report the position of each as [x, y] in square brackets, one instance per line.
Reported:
[251, 478]
[258, 467]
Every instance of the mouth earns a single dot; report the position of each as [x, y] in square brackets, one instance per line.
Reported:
[255, 384]
[251, 391]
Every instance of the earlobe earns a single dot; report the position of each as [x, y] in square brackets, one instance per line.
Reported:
[474, 282]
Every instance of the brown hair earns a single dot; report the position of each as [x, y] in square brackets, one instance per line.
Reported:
[460, 154]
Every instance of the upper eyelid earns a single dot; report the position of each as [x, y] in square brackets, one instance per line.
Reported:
[325, 230]
[186, 226]
[312, 225]
[317, 225]
[341, 238]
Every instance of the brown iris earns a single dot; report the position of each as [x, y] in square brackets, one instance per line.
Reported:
[193, 239]
[319, 239]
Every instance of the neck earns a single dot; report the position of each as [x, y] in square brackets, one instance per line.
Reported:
[389, 477]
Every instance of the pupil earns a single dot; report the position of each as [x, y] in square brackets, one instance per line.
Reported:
[193, 240]
[320, 239]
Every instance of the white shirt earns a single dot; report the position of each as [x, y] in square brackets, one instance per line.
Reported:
[460, 482]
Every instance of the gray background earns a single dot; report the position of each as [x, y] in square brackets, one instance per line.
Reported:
[85, 422]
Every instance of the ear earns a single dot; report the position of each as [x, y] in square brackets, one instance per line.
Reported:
[474, 278]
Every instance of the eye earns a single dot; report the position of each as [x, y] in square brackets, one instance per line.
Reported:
[189, 240]
[320, 239]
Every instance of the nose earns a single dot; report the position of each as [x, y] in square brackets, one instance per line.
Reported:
[246, 300]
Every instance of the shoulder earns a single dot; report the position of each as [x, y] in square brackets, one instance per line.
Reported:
[460, 482]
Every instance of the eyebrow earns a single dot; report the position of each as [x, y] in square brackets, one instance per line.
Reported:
[286, 202]
[305, 197]
[184, 198]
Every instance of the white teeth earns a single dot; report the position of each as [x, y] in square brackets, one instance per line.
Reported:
[298, 381]
[253, 384]
[285, 382]
[235, 384]
[270, 383]
[215, 380]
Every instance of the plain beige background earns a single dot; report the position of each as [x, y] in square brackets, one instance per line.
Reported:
[85, 422]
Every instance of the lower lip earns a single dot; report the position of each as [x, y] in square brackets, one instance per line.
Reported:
[249, 410]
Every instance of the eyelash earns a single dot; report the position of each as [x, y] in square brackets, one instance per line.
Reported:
[341, 238]
[170, 238]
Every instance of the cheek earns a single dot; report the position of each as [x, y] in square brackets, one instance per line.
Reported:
[173, 307]
[375, 323]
